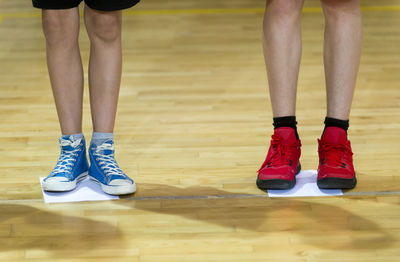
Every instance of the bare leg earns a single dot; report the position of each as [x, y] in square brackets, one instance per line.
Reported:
[104, 29]
[61, 29]
[282, 52]
[342, 51]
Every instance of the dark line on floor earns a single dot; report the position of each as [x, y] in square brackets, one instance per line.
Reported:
[243, 196]
[226, 196]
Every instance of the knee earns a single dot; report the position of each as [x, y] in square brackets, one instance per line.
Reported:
[340, 10]
[284, 9]
[58, 32]
[105, 27]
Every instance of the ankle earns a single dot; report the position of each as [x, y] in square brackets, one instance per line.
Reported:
[335, 122]
[286, 121]
[73, 136]
[99, 138]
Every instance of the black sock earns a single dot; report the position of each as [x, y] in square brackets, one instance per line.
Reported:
[343, 124]
[286, 121]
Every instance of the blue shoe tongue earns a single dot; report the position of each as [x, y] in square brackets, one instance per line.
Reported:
[69, 144]
[107, 148]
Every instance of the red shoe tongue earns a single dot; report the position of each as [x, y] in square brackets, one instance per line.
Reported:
[287, 133]
[334, 135]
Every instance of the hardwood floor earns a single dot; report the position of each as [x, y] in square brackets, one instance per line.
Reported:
[194, 121]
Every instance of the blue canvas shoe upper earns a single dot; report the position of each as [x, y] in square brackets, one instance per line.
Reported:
[105, 170]
[72, 165]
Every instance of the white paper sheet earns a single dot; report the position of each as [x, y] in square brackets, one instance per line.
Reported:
[306, 185]
[86, 190]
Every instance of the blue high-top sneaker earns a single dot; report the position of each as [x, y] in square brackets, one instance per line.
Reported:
[105, 170]
[72, 166]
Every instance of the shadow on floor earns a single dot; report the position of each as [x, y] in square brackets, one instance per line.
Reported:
[327, 222]
[24, 227]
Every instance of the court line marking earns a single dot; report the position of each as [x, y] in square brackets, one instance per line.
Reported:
[226, 196]
[386, 8]
[244, 196]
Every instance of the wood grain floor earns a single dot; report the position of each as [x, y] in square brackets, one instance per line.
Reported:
[194, 121]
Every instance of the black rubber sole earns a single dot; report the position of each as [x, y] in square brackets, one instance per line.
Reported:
[337, 183]
[265, 184]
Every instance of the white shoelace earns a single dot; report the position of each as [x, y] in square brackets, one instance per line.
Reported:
[107, 162]
[67, 158]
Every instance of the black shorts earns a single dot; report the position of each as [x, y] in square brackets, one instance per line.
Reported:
[101, 5]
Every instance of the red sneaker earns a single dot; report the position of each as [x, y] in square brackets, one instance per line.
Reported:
[335, 168]
[282, 163]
